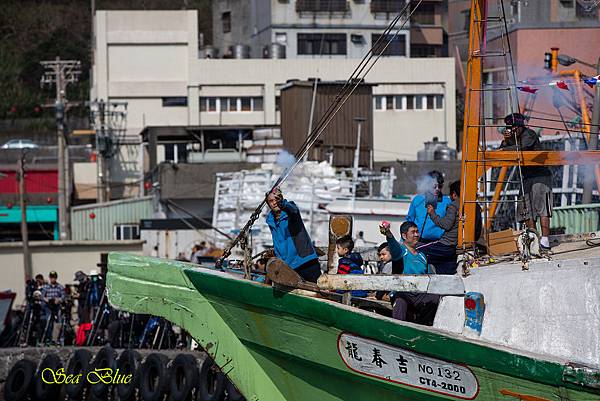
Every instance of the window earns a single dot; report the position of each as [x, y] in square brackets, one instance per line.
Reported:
[586, 12]
[430, 102]
[424, 14]
[400, 100]
[389, 102]
[226, 20]
[277, 103]
[246, 104]
[321, 5]
[257, 104]
[420, 102]
[126, 231]
[233, 104]
[378, 102]
[417, 51]
[174, 101]
[387, 6]
[397, 46]
[321, 43]
[410, 102]
[439, 102]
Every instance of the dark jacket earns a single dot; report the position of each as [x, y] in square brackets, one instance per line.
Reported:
[352, 264]
[529, 140]
[291, 242]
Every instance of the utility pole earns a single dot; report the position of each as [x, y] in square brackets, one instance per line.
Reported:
[588, 184]
[109, 121]
[61, 73]
[24, 232]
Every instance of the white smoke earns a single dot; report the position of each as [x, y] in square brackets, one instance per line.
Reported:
[426, 184]
[285, 159]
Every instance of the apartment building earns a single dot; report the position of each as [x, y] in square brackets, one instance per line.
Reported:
[150, 60]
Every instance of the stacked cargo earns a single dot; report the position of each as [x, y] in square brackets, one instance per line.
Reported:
[312, 187]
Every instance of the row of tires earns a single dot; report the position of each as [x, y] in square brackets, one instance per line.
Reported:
[153, 378]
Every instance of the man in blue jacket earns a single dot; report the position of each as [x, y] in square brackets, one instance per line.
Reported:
[417, 212]
[291, 242]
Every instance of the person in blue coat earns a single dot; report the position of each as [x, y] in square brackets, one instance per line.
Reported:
[291, 241]
[417, 212]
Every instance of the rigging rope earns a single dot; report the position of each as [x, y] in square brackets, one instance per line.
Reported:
[355, 79]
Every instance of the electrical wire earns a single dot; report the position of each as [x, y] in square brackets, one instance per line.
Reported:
[355, 79]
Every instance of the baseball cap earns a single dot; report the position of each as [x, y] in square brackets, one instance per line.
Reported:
[515, 120]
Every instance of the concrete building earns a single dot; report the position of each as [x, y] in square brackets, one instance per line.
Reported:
[305, 28]
[323, 28]
[534, 27]
[149, 59]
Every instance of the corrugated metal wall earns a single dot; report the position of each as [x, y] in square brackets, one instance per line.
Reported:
[106, 215]
[340, 134]
[576, 219]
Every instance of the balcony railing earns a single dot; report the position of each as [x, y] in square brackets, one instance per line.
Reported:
[322, 6]
[387, 6]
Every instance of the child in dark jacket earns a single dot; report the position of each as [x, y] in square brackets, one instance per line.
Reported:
[349, 262]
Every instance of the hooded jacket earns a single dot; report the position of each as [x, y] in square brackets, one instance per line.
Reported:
[291, 242]
[352, 264]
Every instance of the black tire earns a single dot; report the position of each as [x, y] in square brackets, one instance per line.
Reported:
[232, 393]
[154, 377]
[43, 391]
[19, 382]
[211, 386]
[184, 377]
[79, 363]
[105, 358]
[129, 364]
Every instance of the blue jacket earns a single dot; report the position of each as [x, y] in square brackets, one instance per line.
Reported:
[352, 264]
[417, 213]
[291, 242]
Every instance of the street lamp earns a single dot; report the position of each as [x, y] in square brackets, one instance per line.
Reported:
[565, 60]
[588, 182]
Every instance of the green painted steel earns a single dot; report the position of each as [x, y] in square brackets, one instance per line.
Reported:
[282, 346]
[106, 216]
[576, 219]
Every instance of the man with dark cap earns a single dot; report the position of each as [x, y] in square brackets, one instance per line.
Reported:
[53, 294]
[537, 180]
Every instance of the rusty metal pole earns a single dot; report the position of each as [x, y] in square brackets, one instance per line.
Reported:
[24, 232]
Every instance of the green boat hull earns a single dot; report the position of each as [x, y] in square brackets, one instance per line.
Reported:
[283, 346]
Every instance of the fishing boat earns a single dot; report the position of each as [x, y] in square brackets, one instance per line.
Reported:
[526, 328]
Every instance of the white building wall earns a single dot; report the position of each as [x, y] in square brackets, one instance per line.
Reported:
[143, 56]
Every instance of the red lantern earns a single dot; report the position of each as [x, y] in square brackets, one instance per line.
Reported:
[93, 157]
[13, 110]
[10, 205]
[48, 200]
[92, 215]
[37, 109]
[147, 185]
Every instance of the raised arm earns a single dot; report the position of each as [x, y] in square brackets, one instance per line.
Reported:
[446, 222]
